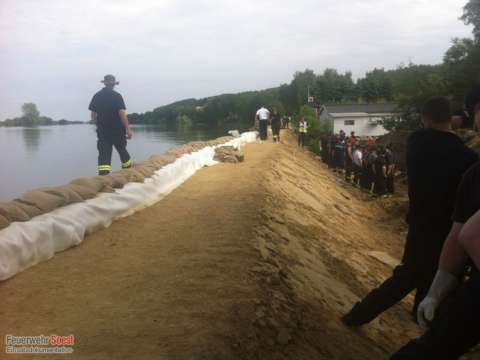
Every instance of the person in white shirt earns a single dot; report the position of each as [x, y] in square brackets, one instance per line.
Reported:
[262, 116]
[357, 164]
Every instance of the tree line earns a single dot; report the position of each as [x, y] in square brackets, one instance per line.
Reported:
[409, 85]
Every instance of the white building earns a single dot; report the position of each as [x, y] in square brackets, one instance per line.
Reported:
[364, 119]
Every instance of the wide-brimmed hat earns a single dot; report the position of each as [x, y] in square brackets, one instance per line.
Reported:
[109, 80]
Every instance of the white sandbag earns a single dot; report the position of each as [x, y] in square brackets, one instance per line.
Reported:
[24, 244]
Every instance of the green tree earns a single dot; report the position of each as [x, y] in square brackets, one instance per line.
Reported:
[471, 16]
[30, 114]
[376, 86]
[408, 120]
[333, 87]
[301, 82]
[410, 103]
[288, 97]
[315, 128]
[462, 68]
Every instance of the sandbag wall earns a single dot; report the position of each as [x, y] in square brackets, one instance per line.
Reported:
[44, 200]
[44, 221]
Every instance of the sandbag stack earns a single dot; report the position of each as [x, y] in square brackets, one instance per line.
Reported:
[228, 154]
[44, 200]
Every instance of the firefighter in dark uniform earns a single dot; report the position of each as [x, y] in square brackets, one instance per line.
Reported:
[110, 116]
[451, 308]
[436, 161]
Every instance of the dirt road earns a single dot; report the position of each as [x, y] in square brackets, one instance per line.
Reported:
[256, 260]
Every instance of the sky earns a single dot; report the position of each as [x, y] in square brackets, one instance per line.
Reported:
[55, 52]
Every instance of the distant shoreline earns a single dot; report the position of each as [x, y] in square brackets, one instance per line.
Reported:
[54, 122]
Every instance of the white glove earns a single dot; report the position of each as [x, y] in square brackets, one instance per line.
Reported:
[426, 311]
[442, 285]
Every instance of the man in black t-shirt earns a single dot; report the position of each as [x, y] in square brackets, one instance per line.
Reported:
[456, 327]
[108, 112]
[436, 161]
[452, 312]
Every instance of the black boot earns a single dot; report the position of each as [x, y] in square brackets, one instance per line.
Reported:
[354, 318]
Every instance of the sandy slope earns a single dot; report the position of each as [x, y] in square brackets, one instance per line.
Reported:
[249, 261]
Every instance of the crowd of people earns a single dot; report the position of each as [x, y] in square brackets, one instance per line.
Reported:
[441, 259]
[365, 164]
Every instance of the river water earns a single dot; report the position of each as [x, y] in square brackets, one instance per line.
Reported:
[55, 155]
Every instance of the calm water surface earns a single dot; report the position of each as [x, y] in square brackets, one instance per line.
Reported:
[55, 155]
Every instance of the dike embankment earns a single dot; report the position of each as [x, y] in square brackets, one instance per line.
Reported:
[253, 260]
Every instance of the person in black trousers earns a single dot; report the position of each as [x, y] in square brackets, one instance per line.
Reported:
[339, 155]
[302, 131]
[390, 163]
[262, 117]
[436, 161]
[380, 173]
[276, 123]
[108, 112]
[451, 310]
[369, 163]
[364, 176]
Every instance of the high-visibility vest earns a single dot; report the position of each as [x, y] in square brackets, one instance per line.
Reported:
[302, 127]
